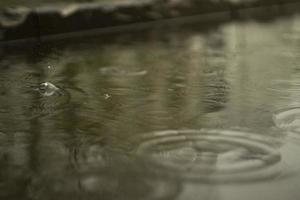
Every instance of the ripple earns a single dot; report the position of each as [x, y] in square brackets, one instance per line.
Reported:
[209, 155]
[122, 71]
[48, 89]
[288, 119]
[24, 99]
[51, 100]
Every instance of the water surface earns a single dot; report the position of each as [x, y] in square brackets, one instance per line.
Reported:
[183, 113]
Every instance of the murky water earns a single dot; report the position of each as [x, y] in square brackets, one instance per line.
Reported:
[183, 113]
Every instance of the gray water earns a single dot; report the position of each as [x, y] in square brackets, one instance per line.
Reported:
[176, 114]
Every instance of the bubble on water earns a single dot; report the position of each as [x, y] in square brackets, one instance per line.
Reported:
[52, 100]
[31, 100]
[288, 119]
[208, 155]
[48, 89]
[122, 71]
[24, 96]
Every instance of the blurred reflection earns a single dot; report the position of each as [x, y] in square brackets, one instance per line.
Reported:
[101, 174]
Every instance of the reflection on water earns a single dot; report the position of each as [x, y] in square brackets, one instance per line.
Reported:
[102, 175]
[155, 115]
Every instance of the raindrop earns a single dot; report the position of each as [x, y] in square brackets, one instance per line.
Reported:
[52, 100]
[208, 155]
[107, 96]
[48, 89]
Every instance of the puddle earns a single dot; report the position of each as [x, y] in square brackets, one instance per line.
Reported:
[81, 135]
[211, 155]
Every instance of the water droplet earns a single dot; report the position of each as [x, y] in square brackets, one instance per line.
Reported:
[48, 89]
[208, 155]
[53, 99]
[107, 96]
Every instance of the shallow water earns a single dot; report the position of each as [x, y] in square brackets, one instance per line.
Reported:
[183, 113]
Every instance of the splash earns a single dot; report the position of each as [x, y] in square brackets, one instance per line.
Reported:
[52, 100]
[48, 89]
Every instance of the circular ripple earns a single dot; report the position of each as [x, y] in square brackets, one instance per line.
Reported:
[122, 71]
[288, 119]
[48, 102]
[210, 155]
[21, 99]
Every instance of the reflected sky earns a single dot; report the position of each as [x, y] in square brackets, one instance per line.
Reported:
[81, 142]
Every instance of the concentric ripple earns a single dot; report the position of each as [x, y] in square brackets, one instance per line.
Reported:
[209, 155]
[288, 119]
[23, 98]
[49, 101]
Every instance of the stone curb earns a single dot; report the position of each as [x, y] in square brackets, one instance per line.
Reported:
[21, 22]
